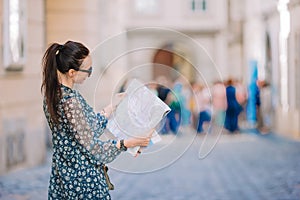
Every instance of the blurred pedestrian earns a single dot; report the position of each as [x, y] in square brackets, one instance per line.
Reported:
[182, 97]
[266, 107]
[219, 102]
[174, 116]
[203, 116]
[261, 112]
[233, 108]
[78, 154]
[163, 91]
[242, 98]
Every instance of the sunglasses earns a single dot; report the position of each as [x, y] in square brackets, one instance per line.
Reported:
[89, 71]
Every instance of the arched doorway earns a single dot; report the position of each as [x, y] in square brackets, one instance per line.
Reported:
[175, 56]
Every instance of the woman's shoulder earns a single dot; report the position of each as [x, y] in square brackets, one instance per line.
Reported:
[68, 93]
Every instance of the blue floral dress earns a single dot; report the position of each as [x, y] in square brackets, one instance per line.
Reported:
[78, 154]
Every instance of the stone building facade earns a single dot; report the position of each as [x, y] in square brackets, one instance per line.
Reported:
[22, 42]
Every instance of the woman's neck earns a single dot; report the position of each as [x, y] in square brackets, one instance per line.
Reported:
[65, 80]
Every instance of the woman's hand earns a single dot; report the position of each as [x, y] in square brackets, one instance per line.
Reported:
[133, 142]
[109, 109]
[142, 141]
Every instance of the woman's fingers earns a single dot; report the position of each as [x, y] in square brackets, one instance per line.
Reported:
[151, 132]
[138, 152]
[118, 98]
[142, 141]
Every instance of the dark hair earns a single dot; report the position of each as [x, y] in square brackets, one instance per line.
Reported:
[62, 58]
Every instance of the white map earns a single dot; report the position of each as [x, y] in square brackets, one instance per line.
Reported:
[139, 112]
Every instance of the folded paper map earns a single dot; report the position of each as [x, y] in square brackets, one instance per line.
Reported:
[139, 112]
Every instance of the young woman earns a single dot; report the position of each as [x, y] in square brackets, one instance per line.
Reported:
[78, 154]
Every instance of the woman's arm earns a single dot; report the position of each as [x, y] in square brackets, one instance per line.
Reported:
[87, 127]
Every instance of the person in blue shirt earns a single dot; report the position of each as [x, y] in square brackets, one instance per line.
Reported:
[78, 153]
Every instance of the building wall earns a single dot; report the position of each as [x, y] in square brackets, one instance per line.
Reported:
[107, 27]
[287, 117]
[266, 20]
[202, 32]
[196, 48]
[235, 39]
[294, 68]
[176, 14]
[95, 23]
[22, 135]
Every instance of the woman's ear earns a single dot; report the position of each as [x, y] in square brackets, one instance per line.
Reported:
[71, 73]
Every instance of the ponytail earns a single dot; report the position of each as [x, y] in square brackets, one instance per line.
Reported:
[50, 84]
[61, 58]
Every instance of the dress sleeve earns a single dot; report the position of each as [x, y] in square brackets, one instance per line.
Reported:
[88, 127]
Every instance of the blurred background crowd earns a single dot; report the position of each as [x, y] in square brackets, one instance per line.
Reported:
[228, 104]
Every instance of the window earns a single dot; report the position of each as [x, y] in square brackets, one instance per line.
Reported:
[146, 7]
[14, 34]
[198, 5]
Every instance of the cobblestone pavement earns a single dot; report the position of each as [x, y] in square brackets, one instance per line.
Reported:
[241, 166]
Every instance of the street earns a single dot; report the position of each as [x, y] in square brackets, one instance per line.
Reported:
[240, 166]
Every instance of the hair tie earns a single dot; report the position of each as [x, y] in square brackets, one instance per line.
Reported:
[60, 47]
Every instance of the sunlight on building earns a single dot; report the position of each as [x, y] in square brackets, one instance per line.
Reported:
[283, 50]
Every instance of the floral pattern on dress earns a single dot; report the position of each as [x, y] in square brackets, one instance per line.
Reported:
[78, 153]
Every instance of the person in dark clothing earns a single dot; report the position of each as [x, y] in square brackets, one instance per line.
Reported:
[162, 92]
[233, 108]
